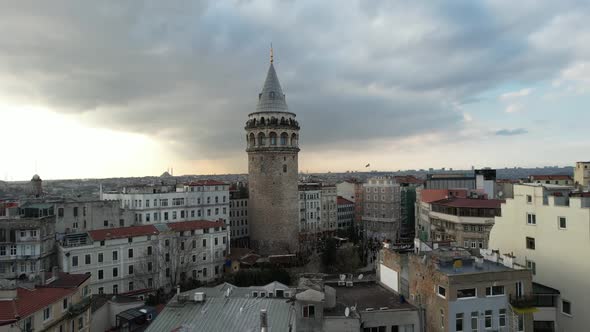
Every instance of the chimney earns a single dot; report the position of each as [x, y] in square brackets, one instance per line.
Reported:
[177, 290]
[263, 321]
[42, 274]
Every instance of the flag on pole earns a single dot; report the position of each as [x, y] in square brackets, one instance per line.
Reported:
[368, 165]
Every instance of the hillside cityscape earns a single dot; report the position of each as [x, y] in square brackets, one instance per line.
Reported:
[256, 242]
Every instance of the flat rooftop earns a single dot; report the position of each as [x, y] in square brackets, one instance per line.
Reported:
[472, 268]
[366, 295]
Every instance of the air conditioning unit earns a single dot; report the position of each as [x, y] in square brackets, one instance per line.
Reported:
[199, 297]
[349, 284]
[341, 283]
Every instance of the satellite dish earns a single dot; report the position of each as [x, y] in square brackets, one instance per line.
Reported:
[500, 193]
[342, 277]
[347, 312]
[361, 276]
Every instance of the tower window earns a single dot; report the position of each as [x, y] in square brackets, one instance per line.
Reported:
[272, 95]
[284, 168]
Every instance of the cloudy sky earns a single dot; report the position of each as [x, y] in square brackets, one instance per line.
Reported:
[130, 88]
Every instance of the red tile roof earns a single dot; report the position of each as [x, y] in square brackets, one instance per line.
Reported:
[408, 179]
[343, 201]
[470, 203]
[194, 224]
[206, 183]
[67, 280]
[122, 232]
[551, 177]
[30, 301]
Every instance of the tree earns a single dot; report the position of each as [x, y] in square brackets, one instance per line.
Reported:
[329, 253]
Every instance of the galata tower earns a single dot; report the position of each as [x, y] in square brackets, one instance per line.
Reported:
[272, 135]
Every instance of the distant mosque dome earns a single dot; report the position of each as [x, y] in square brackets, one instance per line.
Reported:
[36, 177]
[165, 175]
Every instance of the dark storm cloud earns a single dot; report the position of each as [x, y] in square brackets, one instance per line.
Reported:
[190, 72]
[511, 132]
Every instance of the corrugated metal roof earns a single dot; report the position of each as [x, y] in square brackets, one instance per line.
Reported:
[224, 314]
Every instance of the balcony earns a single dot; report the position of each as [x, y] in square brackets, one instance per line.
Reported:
[80, 307]
[524, 304]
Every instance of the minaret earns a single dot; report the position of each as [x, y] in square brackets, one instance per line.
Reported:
[36, 186]
[272, 136]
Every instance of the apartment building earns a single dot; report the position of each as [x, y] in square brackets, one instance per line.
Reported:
[562, 180]
[61, 302]
[329, 211]
[352, 190]
[547, 227]
[203, 200]
[459, 292]
[345, 213]
[238, 217]
[310, 208]
[582, 174]
[82, 216]
[145, 257]
[27, 241]
[382, 208]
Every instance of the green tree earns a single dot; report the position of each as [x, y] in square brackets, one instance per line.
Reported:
[329, 254]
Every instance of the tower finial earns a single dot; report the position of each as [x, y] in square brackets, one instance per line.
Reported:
[271, 54]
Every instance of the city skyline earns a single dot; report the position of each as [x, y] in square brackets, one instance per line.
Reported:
[396, 85]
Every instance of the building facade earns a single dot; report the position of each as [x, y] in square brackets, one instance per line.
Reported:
[345, 213]
[582, 174]
[203, 200]
[238, 218]
[82, 216]
[310, 208]
[272, 134]
[329, 208]
[353, 190]
[382, 208]
[546, 227]
[27, 242]
[562, 180]
[128, 259]
[458, 291]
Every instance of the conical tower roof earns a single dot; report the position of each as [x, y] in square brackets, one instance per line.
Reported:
[272, 98]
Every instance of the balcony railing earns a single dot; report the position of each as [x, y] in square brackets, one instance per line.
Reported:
[523, 301]
[80, 307]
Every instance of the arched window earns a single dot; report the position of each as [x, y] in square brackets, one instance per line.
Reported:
[294, 140]
[282, 120]
[252, 140]
[284, 168]
[272, 95]
[273, 138]
[261, 139]
[284, 138]
[262, 121]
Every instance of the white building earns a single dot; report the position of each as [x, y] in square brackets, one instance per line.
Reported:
[128, 259]
[310, 208]
[238, 218]
[81, 216]
[206, 200]
[547, 228]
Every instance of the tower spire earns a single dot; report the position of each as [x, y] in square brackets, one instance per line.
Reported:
[271, 54]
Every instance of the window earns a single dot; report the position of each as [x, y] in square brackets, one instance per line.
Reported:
[115, 255]
[47, 313]
[87, 259]
[494, 290]
[115, 272]
[74, 260]
[531, 266]
[149, 250]
[562, 223]
[130, 253]
[81, 323]
[459, 322]
[254, 294]
[130, 269]
[216, 241]
[167, 257]
[466, 293]
[566, 307]
[75, 211]
[167, 272]
[531, 219]
[100, 274]
[529, 198]
[105, 223]
[100, 290]
[204, 242]
[474, 321]
[130, 240]
[2, 250]
[530, 243]
[130, 286]
[520, 323]
[502, 318]
[167, 243]
[309, 311]
[64, 303]
[488, 319]
[149, 266]
[60, 212]
[115, 289]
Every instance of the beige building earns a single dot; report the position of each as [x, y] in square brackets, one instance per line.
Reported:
[382, 208]
[547, 228]
[582, 174]
[329, 208]
[459, 292]
[81, 216]
[562, 180]
[61, 303]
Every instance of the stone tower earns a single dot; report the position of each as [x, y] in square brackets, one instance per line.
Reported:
[272, 135]
[36, 186]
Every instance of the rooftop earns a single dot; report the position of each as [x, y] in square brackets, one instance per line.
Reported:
[224, 314]
[551, 177]
[29, 301]
[66, 280]
[205, 183]
[343, 201]
[366, 295]
[122, 232]
[446, 257]
[431, 195]
[470, 202]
